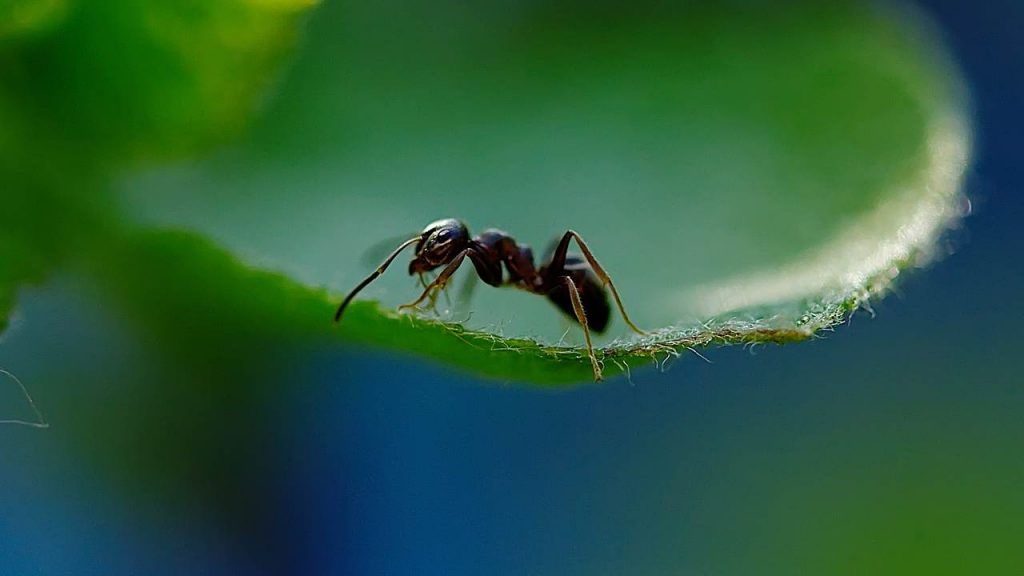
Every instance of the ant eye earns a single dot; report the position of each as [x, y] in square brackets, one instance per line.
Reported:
[443, 235]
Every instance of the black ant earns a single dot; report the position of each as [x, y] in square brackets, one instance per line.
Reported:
[574, 284]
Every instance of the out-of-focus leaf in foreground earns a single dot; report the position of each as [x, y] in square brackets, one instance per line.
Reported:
[90, 89]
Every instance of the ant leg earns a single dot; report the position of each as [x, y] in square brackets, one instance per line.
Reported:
[559, 257]
[433, 295]
[438, 282]
[447, 299]
[581, 317]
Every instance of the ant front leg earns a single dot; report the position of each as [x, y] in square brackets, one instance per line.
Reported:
[558, 263]
[422, 277]
[438, 282]
[581, 317]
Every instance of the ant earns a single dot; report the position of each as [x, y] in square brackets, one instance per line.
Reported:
[574, 284]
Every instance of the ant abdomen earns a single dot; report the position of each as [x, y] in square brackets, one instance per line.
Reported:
[592, 294]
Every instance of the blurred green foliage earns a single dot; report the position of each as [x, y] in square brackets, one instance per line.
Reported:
[91, 89]
[127, 81]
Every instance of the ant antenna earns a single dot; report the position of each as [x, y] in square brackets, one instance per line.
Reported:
[376, 273]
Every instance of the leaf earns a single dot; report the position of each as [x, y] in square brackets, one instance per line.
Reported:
[131, 80]
[88, 89]
[749, 176]
[209, 309]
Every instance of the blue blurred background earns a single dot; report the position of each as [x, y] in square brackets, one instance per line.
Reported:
[891, 446]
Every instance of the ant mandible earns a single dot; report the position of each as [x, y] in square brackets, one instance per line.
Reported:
[576, 285]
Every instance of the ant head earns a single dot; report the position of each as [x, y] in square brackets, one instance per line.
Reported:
[440, 242]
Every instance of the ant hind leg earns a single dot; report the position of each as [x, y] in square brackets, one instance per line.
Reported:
[581, 317]
[602, 275]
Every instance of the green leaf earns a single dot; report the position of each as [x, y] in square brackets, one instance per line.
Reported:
[745, 176]
[88, 89]
[137, 80]
[208, 309]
